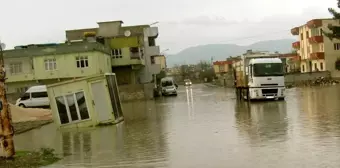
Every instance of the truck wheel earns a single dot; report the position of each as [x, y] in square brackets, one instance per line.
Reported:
[282, 98]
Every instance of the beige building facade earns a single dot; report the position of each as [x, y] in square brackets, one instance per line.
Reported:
[316, 51]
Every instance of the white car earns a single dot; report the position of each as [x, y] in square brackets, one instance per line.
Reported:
[168, 86]
[35, 96]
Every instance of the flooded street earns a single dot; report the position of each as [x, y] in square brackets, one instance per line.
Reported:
[207, 127]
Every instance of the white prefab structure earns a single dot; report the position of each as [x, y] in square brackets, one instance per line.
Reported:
[85, 102]
[263, 77]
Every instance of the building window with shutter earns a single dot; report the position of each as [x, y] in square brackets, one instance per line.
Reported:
[50, 64]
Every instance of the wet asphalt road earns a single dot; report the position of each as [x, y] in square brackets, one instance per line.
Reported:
[207, 127]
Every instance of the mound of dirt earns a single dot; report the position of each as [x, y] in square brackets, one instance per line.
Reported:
[29, 114]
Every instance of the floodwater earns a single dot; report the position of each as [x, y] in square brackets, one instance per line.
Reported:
[207, 127]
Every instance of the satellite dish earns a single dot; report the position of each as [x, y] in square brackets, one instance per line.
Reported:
[3, 45]
[127, 33]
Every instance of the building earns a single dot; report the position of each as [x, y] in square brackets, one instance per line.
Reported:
[316, 51]
[85, 102]
[50, 63]
[132, 49]
[222, 67]
[160, 60]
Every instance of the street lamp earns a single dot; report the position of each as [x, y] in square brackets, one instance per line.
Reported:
[6, 132]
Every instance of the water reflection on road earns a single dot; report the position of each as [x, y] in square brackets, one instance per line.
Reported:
[207, 127]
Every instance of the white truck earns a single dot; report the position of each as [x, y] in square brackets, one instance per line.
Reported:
[259, 77]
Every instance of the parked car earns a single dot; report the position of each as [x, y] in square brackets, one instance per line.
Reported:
[168, 86]
[187, 82]
[35, 96]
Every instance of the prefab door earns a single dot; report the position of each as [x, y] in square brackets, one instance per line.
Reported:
[100, 101]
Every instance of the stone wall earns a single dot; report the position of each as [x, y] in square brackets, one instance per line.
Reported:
[300, 77]
[335, 74]
[227, 79]
[136, 92]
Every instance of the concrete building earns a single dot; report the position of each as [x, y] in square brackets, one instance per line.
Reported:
[222, 67]
[160, 60]
[132, 49]
[50, 63]
[316, 51]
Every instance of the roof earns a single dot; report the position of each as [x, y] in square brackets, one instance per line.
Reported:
[222, 62]
[265, 60]
[314, 19]
[91, 77]
[56, 49]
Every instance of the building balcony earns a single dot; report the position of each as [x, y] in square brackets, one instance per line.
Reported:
[295, 31]
[20, 77]
[296, 45]
[317, 55]
[316, 39]
[314, 23]
[151, 32]
[152, 51]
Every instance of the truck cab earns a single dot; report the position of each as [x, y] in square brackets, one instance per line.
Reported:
[265, 78]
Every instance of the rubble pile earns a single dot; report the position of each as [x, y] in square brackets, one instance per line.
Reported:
[321, 81]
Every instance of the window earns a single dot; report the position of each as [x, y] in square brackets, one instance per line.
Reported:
[308, 50]
[303, 68]
[221, 67]
[72, 107]
[25, 96]
[301, 36]
[50, 64]
[82, 62]
[153, 60]
[307, 34]
[321, 66]
[315, 67]
[39, 94]
[21, 90]
[321, 48]
[321, 33]
[336, 46]
[152, 41]
[16, 68]
[268, 69]
[116, 53]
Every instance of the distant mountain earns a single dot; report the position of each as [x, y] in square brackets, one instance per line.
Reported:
[195, 54]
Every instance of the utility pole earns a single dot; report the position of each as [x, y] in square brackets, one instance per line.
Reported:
[6, 128]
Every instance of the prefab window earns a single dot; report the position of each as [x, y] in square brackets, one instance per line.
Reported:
[72, 108]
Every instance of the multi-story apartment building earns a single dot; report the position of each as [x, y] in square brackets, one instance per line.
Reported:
[222, 67]
[316, 51]
[50, 63]
[132, 49]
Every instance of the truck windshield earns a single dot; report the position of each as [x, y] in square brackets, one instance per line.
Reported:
[268, 69]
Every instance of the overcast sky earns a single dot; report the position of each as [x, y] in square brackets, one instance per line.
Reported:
[182, 23]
